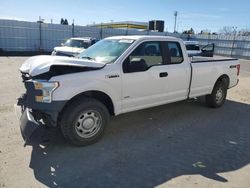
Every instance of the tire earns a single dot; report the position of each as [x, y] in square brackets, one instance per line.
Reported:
[218, 96]
[83, 121]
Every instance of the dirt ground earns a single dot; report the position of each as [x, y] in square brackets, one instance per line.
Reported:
[184, 144]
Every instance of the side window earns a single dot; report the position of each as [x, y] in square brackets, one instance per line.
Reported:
[143, 57]
[175, 52]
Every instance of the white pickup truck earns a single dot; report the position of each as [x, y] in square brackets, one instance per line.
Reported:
[73, 46]
[117, 75]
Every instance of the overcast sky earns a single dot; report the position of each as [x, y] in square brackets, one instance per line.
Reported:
[205, 14]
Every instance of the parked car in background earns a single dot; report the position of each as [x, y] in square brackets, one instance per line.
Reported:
[74, 46]
[194, 49]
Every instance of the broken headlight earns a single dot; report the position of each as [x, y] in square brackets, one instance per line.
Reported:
[47, 89]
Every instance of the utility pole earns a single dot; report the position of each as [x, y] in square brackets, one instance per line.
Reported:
[235, 32]
[40, 33]
[175, 19]
[73, 28]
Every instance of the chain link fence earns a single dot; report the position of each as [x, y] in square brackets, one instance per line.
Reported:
[21, 36]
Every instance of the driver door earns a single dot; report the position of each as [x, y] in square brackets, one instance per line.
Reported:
[143, 78]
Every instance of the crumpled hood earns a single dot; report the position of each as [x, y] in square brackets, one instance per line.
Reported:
[69, 50]
[41, 64]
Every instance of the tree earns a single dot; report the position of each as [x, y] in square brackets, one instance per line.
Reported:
[244, 32]
[65, 22]
[62, 21]
[190, 31]
[226, 30]
[205, 32]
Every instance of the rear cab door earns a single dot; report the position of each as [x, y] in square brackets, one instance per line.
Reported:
[178, 67]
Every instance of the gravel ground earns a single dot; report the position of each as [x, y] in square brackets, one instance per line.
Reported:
[184, 144]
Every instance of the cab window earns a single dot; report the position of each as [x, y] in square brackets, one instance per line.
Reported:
[175, 53]
[146, 55]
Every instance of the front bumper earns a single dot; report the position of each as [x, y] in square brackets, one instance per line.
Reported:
[50, 111]
[33, 115]
[27, 122]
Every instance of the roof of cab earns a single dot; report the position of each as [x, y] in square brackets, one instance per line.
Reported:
[137, 37]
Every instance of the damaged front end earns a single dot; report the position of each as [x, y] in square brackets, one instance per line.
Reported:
[37, 107]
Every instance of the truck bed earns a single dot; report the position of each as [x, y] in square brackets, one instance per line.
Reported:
[200, 59]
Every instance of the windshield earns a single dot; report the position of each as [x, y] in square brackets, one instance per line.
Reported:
[192, 47]
[77, 43]
[107, 50]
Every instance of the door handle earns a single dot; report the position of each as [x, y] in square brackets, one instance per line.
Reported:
[163, 74]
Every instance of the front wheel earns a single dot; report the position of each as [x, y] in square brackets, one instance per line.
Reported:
[84, 121]
[218, 96]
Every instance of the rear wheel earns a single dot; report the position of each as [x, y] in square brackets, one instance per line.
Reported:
[218, 96]
[84, 121]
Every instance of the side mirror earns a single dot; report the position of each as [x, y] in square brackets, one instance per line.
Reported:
[137, 65]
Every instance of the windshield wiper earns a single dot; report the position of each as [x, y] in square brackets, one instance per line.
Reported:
[87, 57]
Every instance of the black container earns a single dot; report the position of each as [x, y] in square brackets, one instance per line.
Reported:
[157, 25]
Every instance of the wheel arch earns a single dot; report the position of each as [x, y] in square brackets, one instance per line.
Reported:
[95, 94]
[224, 78]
